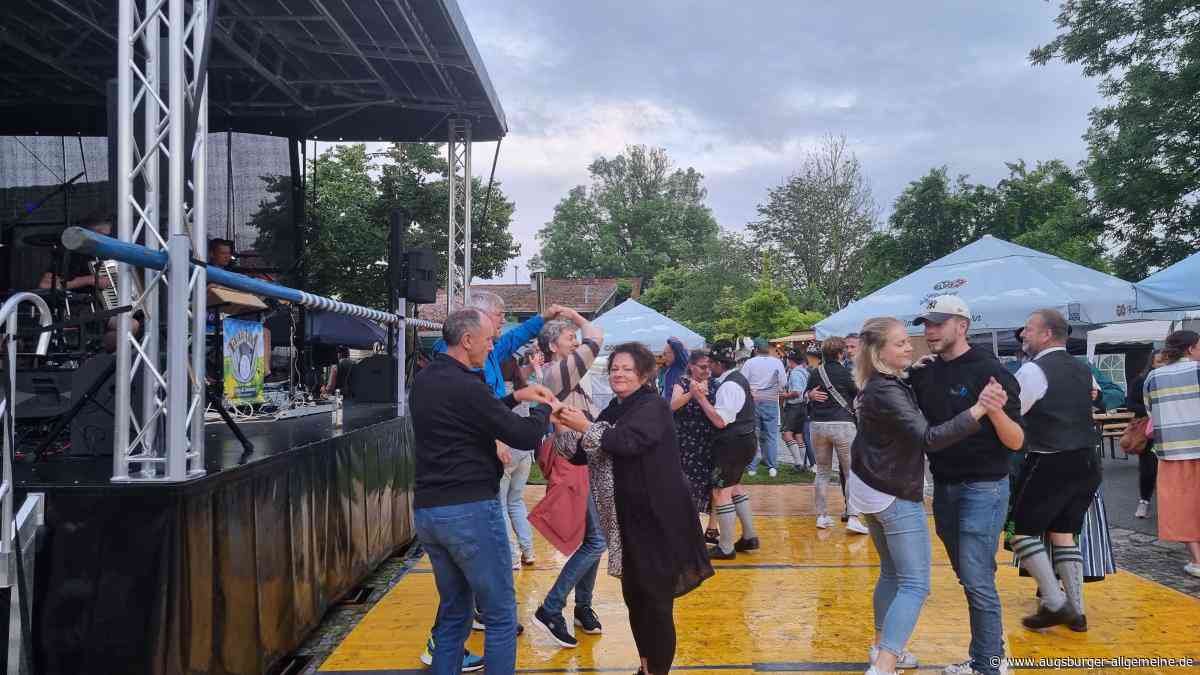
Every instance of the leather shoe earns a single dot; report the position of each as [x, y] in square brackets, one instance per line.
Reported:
[715, 553]
[744, 545]
[1046, 618]
[1080, 624]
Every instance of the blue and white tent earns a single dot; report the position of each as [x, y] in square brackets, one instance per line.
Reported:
[1174, 288]
[1002, 283]
[631, 321]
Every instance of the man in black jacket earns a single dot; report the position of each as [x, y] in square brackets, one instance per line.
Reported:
[456, 423]
[970, 478]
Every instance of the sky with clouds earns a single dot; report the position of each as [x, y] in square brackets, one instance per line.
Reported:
[741, 91]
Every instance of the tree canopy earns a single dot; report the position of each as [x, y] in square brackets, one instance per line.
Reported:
[640, 215]
[1144, 143]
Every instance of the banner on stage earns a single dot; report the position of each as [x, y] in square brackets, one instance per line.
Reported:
[245, 366]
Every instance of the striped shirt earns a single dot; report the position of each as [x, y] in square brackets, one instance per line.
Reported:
[1172, 396]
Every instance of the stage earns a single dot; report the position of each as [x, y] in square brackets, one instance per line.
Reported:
[226, 573]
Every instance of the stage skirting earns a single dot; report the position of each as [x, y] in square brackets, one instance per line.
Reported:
[226, 574]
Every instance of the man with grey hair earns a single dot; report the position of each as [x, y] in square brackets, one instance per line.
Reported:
[457, 421]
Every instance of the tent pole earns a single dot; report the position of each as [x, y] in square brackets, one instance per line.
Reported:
[995, 344]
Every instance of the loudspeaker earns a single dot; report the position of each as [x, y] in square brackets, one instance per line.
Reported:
[399, 222]
[373, 380]
[43, 393]
[92, 428]
[420, 285]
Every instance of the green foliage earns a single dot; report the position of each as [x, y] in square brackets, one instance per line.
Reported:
[638, 217]
[346, 235]
[769, 313]
[1045, 208]
[817, 221]
[686, 292]
[1144, 143]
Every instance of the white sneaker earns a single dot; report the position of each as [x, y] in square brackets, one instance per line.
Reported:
[856, 525]
[772, 473]
[965, 668]
[1143, 509]
[1192, 569]
[516, 563]
[751, 472]
[875, 671]
[907, 660]
[824, 522]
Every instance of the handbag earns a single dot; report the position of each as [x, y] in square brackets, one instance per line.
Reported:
[1136, 436]
[837, 395]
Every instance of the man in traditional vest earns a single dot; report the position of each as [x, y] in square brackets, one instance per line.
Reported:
[1061, 471]
[733, 447]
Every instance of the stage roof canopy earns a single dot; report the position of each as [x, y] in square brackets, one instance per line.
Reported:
[353, 70]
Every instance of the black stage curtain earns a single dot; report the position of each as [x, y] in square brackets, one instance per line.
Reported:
[226, 574]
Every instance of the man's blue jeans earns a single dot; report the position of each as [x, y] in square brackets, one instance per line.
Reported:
[581, 568]
[768, 434]
[468, 548]
[901, 536]
[969, 518]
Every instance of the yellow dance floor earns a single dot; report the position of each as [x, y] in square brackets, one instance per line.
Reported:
[800, 604]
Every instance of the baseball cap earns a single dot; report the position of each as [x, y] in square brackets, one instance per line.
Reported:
[761, 343]
[942, 308]
[795, 356]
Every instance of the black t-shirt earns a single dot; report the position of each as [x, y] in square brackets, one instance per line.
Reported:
[946, 388]
[76, 266]
[830, 410]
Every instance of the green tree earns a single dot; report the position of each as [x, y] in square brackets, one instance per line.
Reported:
[1143, 144]
[344, 242]
[933, 217]
[639, 216]
[686, 292]
[817, 222]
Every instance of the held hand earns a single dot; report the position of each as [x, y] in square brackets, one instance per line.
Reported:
[572, 418]
[993, 397]
[553, 311]
[923, 361]
[536, 393]
[699, 389]
[504, 453]
[817, 395]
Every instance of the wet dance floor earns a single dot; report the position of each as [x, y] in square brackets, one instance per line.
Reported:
[800, 604]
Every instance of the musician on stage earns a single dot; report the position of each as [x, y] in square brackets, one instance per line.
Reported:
[79, 274]
[220, 255]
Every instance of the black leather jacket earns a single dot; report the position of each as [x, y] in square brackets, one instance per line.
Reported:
[893, 435]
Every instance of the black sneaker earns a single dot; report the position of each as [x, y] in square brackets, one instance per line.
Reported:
[587, 621]
[744, 545]
[715, 553]
[712, 536]
[555, 626]
[1079, 625]
[1046, 618]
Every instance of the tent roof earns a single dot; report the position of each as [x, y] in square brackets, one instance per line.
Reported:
[354, 70]
[1172, 288]
[632, 321]
[1136, 332]
[1002, 283]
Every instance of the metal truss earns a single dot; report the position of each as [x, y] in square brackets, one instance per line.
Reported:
[458, 156]
[160, 436]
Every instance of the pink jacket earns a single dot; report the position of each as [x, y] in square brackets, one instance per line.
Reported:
[561, 516]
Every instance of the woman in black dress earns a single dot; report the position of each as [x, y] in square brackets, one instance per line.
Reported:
[694, 430]
[654, 537]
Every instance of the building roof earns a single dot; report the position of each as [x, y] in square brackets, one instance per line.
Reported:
[585, 295]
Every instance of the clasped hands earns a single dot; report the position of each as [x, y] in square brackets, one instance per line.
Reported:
[562, 415]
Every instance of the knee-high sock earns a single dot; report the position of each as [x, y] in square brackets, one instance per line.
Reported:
[727, 522]
[742, 505]
[1033, 558]
[1068, 563]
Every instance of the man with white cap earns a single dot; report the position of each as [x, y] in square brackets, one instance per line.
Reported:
[971, 487]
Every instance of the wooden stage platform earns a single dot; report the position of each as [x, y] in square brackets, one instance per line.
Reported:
[800, 604]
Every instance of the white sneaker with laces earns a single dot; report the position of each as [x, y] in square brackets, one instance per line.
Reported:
[965, 668]
[907, 660]
[856, 525]
[1143, 509]
[772, 473]
[824, 522]
[875, 671]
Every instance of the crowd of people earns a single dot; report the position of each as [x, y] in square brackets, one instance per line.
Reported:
[1008, 454]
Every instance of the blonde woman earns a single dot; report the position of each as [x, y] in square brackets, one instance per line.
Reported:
[887, 477]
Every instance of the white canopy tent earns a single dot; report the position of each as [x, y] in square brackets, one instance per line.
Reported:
[1002, 283]
[1137, 332]
[631, 321]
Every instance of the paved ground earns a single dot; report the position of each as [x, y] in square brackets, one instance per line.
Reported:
[1119, 604]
